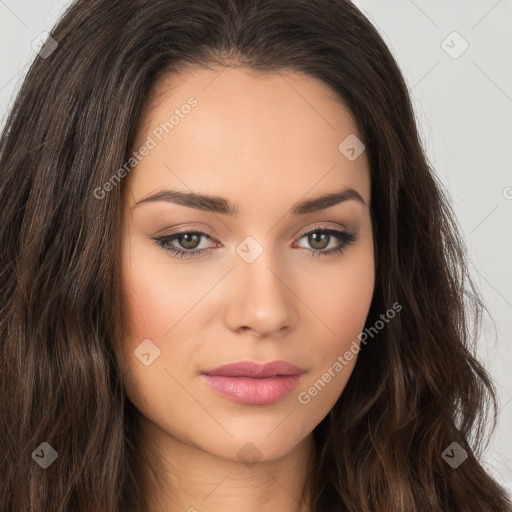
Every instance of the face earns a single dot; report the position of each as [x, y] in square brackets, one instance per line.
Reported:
[248, 275]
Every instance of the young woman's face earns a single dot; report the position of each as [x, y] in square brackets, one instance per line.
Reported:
[264, 283]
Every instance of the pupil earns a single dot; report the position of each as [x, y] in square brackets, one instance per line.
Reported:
[313, 240]
[188, 244]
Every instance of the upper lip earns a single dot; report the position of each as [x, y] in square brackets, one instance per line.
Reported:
[255, 370]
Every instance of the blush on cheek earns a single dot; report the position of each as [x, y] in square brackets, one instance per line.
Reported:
[140, 311]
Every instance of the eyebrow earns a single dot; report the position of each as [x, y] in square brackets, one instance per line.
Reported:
[216, 204]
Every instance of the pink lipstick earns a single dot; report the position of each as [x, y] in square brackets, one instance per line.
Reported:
[253, 383]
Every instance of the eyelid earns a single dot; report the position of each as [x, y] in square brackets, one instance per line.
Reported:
[321, 226]
[184, 229]
[191, 228]
[344, 236]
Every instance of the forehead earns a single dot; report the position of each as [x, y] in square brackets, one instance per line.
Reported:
[246, 130]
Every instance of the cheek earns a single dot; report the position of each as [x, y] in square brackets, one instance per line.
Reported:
[149, 306]
[341, 295]
[156, 300]
[351, 294]
[157, 295]
[342, 307]
[150, 310]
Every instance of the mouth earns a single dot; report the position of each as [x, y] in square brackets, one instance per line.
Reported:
[254, 383]
[255, 370]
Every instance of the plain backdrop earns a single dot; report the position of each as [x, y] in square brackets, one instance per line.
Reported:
[456, 57]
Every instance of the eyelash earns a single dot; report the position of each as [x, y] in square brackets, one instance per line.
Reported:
[345, 237]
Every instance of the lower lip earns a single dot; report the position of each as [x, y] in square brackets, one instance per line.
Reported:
[253, 391]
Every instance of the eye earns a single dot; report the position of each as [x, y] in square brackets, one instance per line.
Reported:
[319, 238]
[188, 240]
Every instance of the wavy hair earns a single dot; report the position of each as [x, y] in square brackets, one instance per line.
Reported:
[417, 386]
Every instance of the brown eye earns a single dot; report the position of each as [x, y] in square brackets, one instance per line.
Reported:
[319, 240]
[189, 240]
[184, 244]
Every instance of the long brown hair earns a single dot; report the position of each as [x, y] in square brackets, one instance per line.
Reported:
[416, 388]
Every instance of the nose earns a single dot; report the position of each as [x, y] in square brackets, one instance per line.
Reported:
[262, 298]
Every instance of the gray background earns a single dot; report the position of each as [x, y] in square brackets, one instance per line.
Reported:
[463, 103]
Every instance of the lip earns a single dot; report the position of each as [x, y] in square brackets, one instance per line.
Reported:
[254, 383]
[255, 370]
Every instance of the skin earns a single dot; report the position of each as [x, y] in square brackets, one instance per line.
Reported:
[264, 142]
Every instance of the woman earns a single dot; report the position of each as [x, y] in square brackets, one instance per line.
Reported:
[230, 278]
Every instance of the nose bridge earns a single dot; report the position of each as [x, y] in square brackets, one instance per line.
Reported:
[261, 299]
